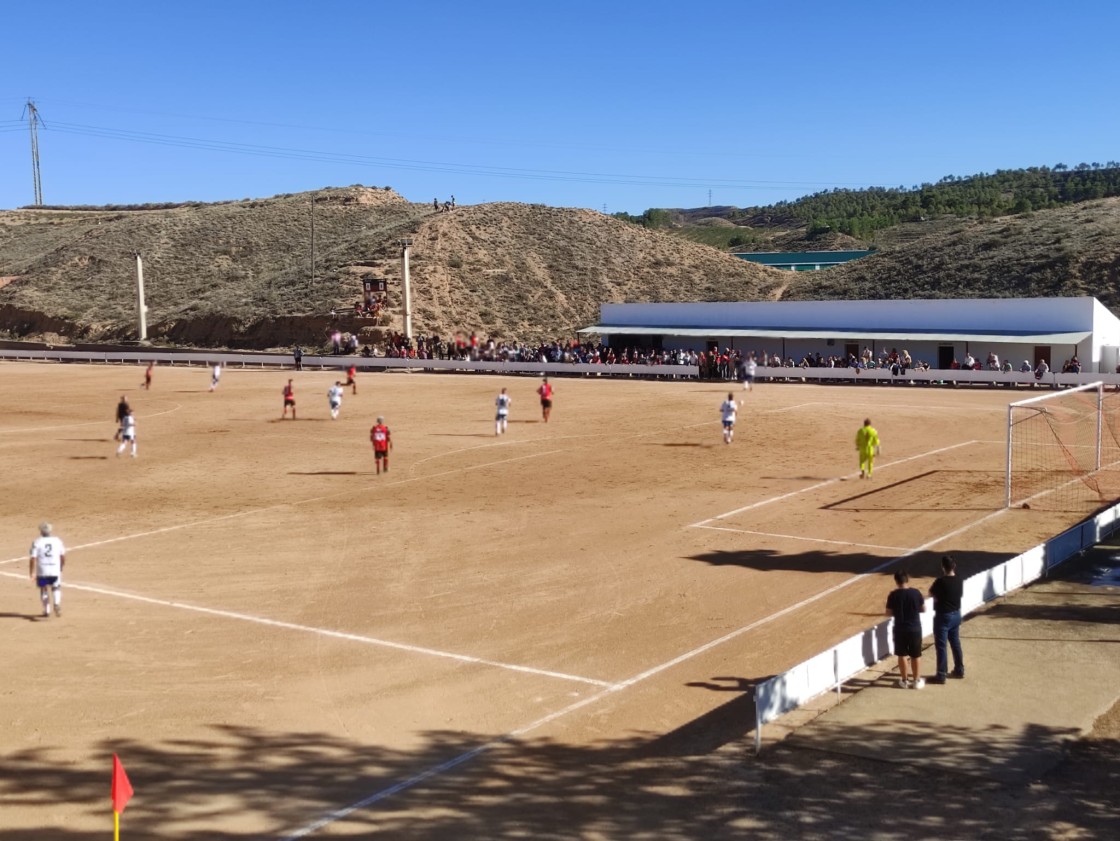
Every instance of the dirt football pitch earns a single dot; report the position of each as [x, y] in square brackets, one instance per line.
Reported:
[280, 643]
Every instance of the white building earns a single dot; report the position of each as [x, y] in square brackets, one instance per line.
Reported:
[936, 331]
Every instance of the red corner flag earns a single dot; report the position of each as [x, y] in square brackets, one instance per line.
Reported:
[122, 788]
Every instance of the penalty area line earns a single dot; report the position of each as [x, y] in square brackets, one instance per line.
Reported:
[809, 539]
[823, 484]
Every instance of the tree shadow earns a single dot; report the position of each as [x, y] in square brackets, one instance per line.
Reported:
[918, 565]
[700, 781]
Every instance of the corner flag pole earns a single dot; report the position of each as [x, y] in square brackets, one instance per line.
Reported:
[121, 793]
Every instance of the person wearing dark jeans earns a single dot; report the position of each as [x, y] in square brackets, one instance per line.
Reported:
[946, 593]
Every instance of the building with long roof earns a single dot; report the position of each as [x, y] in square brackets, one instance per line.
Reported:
[936, 331]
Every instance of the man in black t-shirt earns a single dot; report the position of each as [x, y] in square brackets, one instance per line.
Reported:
[946, 593]
[906, 605]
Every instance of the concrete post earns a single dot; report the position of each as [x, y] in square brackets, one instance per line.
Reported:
[405, 245]
[141, 307]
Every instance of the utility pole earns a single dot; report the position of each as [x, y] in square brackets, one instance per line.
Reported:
[33, 121]
[709, 197]
[405, 245]
[141, 307]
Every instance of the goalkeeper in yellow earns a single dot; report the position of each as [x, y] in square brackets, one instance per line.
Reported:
[867, 444]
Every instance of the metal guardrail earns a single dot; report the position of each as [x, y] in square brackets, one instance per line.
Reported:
[827, 671]
[285, 360]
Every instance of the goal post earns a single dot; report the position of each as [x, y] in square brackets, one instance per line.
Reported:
[1053, 442]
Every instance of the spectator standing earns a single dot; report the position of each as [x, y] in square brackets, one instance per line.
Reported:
[906, 605]
[867, 444]
[545, 391]
[48, 557]
[382, 442]
[501, 420]
[289, 394]
[946, 593]
[297, 355]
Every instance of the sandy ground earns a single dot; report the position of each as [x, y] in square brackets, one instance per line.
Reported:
[277, 641]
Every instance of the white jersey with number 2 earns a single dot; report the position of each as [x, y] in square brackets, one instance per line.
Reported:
[48, 552]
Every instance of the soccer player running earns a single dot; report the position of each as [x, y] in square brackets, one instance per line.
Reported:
[727, 411]
[215, 375]
[352, 377]
[382, 442]
[867, 444]
[48, 557]
[501, 420]
[545, 391]
[289, 400]
[334, 397]
[148, 376]
[127, 433]
[123, 409]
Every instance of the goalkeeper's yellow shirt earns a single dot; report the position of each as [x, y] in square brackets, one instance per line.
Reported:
[867, 439]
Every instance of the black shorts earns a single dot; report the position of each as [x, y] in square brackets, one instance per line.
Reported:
[349, 381]
[908, 643]
[47, 581]
[380, 454]
[546, 404]
[289, 401]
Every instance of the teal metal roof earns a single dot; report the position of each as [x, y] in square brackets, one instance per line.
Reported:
[800, 258]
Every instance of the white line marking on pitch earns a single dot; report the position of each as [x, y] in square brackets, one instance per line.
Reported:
[810, 539]
[178, 406]
[454, 762]
[823, 484]
[326, 632]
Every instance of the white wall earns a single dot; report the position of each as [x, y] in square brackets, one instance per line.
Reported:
[1043, 315]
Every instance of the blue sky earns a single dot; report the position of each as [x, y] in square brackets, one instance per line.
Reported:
[616, 105]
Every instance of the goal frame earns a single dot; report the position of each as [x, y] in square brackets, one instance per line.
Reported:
[1065, 392]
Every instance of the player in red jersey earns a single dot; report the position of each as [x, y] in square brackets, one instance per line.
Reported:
[289, 400]
[382, 442]
[545, 391]
[148, 376]
[352, 377]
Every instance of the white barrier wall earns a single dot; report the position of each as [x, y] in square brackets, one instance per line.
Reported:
[262, 360]
[828, 670]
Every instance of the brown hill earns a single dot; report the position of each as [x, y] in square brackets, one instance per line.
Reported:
[1066, 251]
[239, 273]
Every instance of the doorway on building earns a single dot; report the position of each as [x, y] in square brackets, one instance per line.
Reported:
[945, 356]
[1043, 352]
[851, 350]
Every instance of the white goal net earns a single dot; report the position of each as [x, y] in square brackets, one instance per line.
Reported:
[1058, 447]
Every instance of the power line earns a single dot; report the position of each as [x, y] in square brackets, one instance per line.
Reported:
[257, 150]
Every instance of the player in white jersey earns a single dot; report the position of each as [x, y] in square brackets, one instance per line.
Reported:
[334, 397]
[215, 375]
[749, 368]
[48, 557]
[501, 421]
[727, 411]
[128, 433]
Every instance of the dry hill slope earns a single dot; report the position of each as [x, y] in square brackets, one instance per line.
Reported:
[238, 273]
[1066, 251]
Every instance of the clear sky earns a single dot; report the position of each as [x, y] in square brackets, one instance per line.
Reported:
[606, 105]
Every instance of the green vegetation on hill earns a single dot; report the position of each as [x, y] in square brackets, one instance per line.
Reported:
[862, 213]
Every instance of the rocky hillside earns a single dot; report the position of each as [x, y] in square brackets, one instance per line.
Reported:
[239, 274]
